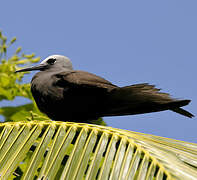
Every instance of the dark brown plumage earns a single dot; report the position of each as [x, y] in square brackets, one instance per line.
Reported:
[68, 95]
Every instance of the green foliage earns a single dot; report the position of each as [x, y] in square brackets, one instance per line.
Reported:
[10, 83]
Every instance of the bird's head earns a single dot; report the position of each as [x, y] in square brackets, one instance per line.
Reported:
[54, 62]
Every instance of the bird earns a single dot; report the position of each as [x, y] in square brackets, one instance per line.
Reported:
[65, 94]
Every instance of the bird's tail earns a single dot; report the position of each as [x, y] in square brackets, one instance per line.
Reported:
[143, 98]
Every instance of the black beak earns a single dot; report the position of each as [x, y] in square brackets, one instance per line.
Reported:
[34, 68]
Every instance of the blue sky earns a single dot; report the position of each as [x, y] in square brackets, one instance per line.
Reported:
[125, 42]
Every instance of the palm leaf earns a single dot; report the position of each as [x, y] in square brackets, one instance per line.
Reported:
[65, 150]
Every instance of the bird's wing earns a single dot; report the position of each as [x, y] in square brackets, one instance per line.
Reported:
[84, 94]
[84, 79]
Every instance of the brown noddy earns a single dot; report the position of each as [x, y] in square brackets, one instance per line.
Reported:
[70, 95]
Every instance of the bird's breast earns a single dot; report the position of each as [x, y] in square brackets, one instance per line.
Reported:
[45, 93]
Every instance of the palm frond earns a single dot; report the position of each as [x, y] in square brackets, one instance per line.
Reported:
[65, 150]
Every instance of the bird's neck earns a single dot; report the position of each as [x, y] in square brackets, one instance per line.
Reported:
[57, 70]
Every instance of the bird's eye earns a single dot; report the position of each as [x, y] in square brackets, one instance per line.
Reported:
[51, 61]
